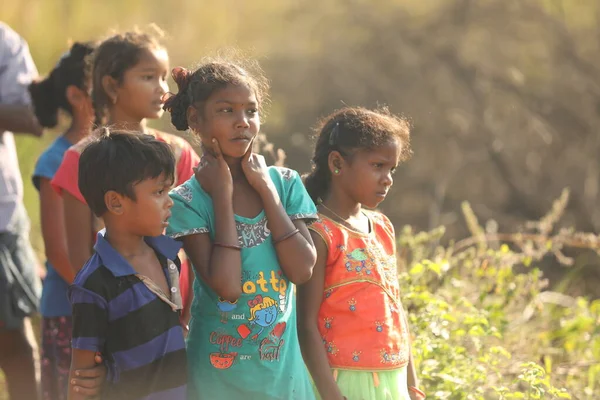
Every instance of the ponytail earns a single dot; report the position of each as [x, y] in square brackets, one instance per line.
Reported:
[178, 104]
[317, 183]
[318, 180]
[50, 95]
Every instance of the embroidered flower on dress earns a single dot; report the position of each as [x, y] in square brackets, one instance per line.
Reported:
[352, 303]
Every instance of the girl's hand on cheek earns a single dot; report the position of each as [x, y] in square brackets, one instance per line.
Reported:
[255, 169]
[213, 173]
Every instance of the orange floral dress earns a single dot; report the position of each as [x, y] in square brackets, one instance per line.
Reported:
[361, 319]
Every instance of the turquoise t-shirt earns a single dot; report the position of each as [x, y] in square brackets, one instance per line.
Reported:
[248, 349]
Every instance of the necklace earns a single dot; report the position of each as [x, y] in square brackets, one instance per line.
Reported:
[342, 220]
[333, 212]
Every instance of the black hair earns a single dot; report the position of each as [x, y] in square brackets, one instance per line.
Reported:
[114, 57]
[117, 160]
[349, 129]
[50, 94]
[197, 86]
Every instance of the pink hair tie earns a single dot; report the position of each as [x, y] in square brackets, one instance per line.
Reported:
[182, 77]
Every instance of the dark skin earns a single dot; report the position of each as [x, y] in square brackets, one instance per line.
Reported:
[238, 181]
[363, 178]
[128, 222]
[19, 119]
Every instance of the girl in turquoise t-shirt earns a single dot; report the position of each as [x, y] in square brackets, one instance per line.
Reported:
[243, 225]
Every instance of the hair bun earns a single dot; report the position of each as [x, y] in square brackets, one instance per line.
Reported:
[181, 76]
[177, 104]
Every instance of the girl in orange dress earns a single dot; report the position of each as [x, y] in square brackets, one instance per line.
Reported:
[352, 326]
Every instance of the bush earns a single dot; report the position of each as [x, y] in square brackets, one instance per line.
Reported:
[483, 330]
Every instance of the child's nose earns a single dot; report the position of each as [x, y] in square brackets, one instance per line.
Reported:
[163, 87]
[388, 180]
[242, 122]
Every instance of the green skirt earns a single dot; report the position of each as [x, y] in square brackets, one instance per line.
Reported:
[365, 385]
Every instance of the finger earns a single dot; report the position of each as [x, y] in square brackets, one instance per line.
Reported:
[217, 149]
[90, 373]
[207, 150]
[88, 391]
[87, 383]
[249, 151]
[208, 158]
[98, 358]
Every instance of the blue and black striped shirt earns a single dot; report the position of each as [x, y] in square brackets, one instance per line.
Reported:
[138, 334]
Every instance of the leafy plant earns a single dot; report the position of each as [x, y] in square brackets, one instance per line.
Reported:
[484, 330]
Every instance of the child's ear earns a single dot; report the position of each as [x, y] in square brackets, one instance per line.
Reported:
[193, 119]
[336, 162]
[76, 97]
[110, 86]
[113, 202]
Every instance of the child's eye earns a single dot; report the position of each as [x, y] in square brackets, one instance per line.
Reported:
[252, 111]
[148, 77]
[226, 110]
[378, 165]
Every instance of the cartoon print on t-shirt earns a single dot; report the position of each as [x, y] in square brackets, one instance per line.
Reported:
[223, 359]
[225, 307]
[270, 346]
[263, 312]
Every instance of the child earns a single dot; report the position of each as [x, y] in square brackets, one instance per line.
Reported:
[126, 299]
[352, 327]
[129, 79]
[65, 88]
[243, 225]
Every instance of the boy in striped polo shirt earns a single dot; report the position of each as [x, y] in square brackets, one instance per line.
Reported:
[126, 301]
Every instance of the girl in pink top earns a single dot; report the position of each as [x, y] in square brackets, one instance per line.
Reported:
[129, 80]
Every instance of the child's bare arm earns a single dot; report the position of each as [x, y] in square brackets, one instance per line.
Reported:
[78, 226]
[220, 267]
[80, 359]
[89, 382]
[296, 254]
[19, 119]
[413, 379]
[53, 231]
[295, 249]
[310, 296]
[89, 331]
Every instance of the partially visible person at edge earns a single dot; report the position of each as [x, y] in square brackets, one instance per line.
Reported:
[352, 325]
[65, 88]
[126, 299]
[243, 225]
[19, 271]
[129, 79]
